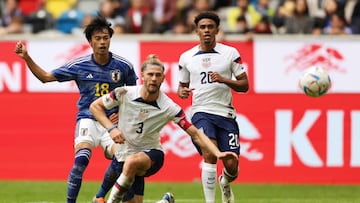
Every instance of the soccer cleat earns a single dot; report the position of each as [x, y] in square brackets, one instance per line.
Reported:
[167, 198]
[98, 200]
[226, 193]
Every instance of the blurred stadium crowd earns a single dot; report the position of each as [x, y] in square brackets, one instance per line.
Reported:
[248, 17]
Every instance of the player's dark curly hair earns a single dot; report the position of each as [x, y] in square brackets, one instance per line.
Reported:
[97, 24]
[209, 15]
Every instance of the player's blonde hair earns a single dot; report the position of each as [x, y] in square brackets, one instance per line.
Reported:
[152, 59]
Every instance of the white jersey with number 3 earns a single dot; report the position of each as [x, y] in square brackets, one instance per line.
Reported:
[208, 96]
[139, 121]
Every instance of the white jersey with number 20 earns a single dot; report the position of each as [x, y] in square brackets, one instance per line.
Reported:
[208, 96]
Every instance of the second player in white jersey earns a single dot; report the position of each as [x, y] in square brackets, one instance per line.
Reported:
[143, 120]
[224, 60]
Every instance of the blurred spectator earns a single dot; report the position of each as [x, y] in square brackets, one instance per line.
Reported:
[300, 22]
[164, 12]
[284, 9]
[242, 26]
[40, 20]
[179, 27]
[263, 26]
[121, 7]
[197, 7]
[337, 25]
[317, 12]
[57, 7]
[139, 19]
[264, 8]
[352, 15]
[86, 20]
[330, 7]
[245, 9]
[12, 18]
[108, 10]
[318, 27]
[223, 3]
[70, 20]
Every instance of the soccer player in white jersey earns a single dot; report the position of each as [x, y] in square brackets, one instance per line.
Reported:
[95, 75]
[143, 111]
[208, 72]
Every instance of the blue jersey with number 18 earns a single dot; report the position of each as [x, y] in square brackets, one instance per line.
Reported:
[95, 80]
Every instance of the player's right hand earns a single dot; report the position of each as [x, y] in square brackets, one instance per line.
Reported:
[20, 49]
[185, 92]
[117, 136]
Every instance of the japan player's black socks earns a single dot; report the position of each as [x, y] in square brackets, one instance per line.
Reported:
[82, 158]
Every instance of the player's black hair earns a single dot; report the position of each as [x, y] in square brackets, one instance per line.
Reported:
[209, 15]
[97, 24]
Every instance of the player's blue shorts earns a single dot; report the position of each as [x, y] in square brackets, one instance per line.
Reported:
[157, 157]
[224, 130]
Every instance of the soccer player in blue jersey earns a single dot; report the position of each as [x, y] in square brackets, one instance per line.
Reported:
[143, 111]
[95, 74]
[209, 72]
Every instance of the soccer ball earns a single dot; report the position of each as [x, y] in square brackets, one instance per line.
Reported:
[315, 81]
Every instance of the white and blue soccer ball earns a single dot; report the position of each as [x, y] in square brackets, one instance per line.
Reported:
[315, 81]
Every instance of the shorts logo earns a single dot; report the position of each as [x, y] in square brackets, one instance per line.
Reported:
[115, 75]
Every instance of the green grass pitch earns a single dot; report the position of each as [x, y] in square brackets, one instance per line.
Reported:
[55, 192]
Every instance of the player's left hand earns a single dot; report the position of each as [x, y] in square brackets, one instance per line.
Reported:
[227, 155]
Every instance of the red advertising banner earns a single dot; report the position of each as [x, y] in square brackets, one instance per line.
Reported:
[285, 137]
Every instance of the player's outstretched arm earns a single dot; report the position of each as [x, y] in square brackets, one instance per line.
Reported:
[205, 143]
[42, 75]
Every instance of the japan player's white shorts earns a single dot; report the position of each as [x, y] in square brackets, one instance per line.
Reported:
[91, 131]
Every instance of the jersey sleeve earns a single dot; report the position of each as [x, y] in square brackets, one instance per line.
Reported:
[65, 73]
[181, 120]
[131, 76]
[112, 99]
[237, 66]
[184, 74]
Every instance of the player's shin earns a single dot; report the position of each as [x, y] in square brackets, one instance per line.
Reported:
[208, 177]
[227, 177]
[82, 158]
[119, 189]
[110, 177]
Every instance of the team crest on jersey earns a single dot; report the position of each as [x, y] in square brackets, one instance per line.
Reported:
[116, 75]
[206, 63]
[143, 114]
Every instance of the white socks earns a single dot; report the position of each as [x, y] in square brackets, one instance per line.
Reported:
[208, 178]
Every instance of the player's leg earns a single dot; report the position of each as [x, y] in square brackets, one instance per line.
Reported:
[114, 170]
[209, 167]
[135, 193]
[228, 140]
[204, 121]
[84, 142]
[112, 173]
[139, 164]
